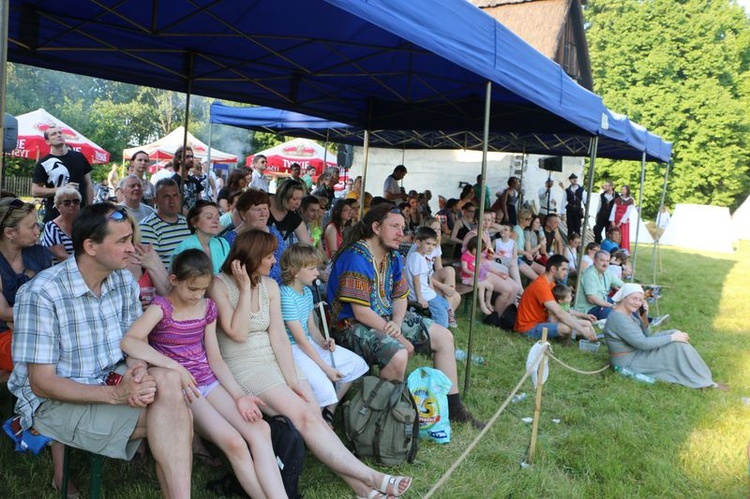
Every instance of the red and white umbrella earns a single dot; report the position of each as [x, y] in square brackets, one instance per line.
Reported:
[31, 143]
[303, 151]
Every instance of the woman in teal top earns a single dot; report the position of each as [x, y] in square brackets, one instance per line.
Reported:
[203, 222]
[526, 264]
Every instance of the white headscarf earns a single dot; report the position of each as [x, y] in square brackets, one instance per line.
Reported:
[626, 290]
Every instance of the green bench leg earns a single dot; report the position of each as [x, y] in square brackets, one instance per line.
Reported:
[96, 462]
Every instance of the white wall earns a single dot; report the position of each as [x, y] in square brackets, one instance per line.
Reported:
[441, 171]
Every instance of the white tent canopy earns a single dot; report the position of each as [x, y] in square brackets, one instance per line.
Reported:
[741, 221]
[165, 147]
[699, 227]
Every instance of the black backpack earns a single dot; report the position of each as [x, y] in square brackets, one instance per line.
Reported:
[290, 452]
[506, 321]
[290, 456]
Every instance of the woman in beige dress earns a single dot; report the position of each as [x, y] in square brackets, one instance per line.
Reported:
[256, 348]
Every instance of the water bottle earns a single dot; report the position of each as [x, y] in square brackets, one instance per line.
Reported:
[636, 376]
[475, 359]
[518, 397]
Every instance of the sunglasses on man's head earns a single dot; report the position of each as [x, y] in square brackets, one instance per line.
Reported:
[12, 205]
[118, 215]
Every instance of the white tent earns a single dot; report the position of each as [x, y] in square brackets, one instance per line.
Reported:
[699, 227]
[741, 221]
[165, 147]
[644, 237]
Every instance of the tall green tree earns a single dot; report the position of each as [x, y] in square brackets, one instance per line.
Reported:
[680, 68]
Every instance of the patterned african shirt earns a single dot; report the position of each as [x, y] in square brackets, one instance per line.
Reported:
[354, 280]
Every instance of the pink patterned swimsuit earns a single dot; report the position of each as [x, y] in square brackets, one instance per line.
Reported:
[183, 340]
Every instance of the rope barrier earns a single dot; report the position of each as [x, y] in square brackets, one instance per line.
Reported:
[492, 420]
[546, 350]
[601, 370]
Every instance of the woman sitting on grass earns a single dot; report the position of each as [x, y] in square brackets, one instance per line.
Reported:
[666, 356]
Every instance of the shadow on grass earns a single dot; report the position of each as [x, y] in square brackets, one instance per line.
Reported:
[616, 437]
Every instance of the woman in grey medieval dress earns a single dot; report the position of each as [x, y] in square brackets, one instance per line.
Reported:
[666, 356]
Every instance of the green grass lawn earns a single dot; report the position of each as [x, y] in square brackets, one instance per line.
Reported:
[616, 437]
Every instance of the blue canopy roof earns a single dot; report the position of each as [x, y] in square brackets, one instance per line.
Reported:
[377, 64]
[621, 140]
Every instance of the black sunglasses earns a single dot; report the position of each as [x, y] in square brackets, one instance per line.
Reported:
[69, 202]
[13, 205]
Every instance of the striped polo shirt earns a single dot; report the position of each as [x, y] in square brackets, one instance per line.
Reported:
[163, 235]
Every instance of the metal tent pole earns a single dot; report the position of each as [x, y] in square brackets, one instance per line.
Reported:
[191, 64]
[593, 147]
[486, 137]
[4, 10]
[638, 212]
[366, 153]
[210, 138]
[657, 240]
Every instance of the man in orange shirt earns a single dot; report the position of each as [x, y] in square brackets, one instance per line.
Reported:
[538, 303]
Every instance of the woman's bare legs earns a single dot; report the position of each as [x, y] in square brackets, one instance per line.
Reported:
[321, 440]
[515, 273]
[507, 289]
[527, 271]
[209, 422]
[257, 434]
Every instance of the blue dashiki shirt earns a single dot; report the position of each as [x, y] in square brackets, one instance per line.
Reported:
[353, 280]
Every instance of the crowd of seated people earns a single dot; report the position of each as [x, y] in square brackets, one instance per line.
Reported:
[213, 305]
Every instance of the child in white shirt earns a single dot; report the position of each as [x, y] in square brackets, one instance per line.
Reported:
[418, 275]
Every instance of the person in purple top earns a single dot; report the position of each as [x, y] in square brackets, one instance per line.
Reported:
[178, 332]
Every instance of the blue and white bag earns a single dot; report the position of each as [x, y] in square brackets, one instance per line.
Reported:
[429, 389]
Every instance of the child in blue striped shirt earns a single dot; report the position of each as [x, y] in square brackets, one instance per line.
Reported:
[319, 358]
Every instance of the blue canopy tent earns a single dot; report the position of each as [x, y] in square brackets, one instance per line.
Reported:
[622, 139]
[375, 64]
[379, 65]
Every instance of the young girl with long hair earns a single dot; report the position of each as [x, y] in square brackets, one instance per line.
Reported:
[178, 332]
[341, 218]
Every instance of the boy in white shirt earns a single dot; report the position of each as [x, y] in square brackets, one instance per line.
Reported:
[418, 274]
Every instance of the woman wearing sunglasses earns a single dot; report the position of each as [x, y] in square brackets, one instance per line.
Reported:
[21, 258]
[57, 232]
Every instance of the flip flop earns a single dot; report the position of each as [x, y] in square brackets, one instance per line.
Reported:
[394, 482]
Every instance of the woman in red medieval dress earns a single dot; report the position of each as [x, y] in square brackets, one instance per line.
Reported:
[622, 210]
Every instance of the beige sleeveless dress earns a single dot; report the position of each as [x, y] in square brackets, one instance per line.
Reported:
[252, 362]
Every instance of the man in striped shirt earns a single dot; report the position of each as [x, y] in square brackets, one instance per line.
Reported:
[166, 228]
